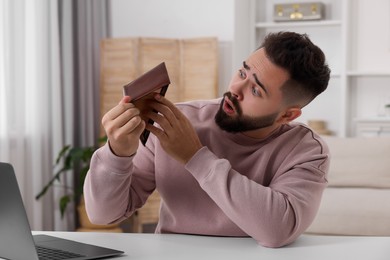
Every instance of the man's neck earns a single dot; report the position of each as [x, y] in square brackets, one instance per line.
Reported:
[263, 132]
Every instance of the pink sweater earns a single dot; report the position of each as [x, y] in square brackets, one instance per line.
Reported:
[268, 189]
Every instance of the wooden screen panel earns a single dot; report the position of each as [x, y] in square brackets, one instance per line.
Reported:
[199, 69]
[118, 66]
[192, 66]
[153, 51]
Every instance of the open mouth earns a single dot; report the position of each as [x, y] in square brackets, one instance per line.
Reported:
[228, 106]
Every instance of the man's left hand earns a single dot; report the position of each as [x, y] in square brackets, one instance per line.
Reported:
[176, 135]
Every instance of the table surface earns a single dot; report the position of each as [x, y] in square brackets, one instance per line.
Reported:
[175, 246]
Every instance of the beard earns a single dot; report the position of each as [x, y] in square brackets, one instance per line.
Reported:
[240, 122]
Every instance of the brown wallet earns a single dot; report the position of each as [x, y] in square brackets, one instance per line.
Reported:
[155, 80]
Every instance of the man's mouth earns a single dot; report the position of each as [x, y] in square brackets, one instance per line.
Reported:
[228, 106]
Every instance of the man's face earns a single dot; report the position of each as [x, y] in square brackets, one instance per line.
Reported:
[254, 99]
[240, 122]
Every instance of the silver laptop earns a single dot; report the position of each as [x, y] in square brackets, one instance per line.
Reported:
[16, 239]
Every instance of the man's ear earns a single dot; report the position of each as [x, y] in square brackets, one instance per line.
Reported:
[290, 114]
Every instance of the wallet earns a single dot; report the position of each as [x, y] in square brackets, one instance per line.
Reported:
[155, 80]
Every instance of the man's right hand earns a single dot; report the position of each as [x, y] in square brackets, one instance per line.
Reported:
[123, 126]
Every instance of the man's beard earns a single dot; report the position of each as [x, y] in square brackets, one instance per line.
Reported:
[240, 122]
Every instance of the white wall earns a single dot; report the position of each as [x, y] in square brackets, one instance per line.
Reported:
[370, 52]
[178, 19]
[369, 43]
[173, 18]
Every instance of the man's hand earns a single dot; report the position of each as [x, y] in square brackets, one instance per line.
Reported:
[176, 135]
[123, 126]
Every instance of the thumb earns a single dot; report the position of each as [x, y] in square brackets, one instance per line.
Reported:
[125, 99]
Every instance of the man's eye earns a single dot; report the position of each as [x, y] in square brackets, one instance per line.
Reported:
[242, 74]
[256, 92]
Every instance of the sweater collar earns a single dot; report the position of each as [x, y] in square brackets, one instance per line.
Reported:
[242, 139]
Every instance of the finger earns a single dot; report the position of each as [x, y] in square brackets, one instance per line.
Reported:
[117, 110]
[112, 124]
[126, 115]
[140, 128]
[134, 126]
[161, 99]
[165, 111]
[125, 99]
[160, 134]
[161, 120]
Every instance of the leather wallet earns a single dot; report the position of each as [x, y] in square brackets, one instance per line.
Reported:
[155, 80]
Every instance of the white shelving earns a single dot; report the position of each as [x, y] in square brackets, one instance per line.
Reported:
[356, 86]
[362, 73]
[298, 24]
[373, 126]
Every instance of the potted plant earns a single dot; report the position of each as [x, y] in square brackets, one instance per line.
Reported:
[76, 159]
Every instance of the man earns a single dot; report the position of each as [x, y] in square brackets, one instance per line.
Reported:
[235, 166]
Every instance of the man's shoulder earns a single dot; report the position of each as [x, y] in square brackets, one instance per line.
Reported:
[306, 136]
[199, 104]
[200, 107]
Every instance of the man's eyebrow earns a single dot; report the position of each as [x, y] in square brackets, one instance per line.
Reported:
[245, 65]
[259, 83]
[255, 76]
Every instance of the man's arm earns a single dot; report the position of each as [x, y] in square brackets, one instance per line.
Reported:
[113, 191]
[108, 194]
[274, 215]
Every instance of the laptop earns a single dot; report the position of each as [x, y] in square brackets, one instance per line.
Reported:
[16, 239]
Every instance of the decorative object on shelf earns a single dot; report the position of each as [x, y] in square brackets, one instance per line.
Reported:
[319, 126]
[298, 12]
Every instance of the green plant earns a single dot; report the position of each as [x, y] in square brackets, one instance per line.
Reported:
[75, 160]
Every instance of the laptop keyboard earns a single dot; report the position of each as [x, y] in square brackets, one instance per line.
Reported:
[45, 253]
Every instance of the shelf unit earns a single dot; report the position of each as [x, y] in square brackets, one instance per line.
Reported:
[339, 35]
[369, 127]
[297, 24]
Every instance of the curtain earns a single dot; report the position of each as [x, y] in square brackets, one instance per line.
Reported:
[48, 87]
[90, 26]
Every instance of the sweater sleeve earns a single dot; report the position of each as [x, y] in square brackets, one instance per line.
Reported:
[273, 215]
[112, 191]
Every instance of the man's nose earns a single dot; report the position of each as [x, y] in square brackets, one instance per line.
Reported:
[238, 88]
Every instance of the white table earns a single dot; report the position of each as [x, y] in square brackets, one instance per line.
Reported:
[171, 247]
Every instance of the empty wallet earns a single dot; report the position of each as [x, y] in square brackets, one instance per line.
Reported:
[155, 80]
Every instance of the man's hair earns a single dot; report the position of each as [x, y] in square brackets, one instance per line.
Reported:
[305, 63]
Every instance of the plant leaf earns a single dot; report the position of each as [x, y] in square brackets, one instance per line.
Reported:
[62, 153]
[102, 139]
[64, 203]
[73, 158]
[56, 177]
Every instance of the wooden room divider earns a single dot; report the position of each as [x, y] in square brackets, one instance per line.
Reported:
[192, 66]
